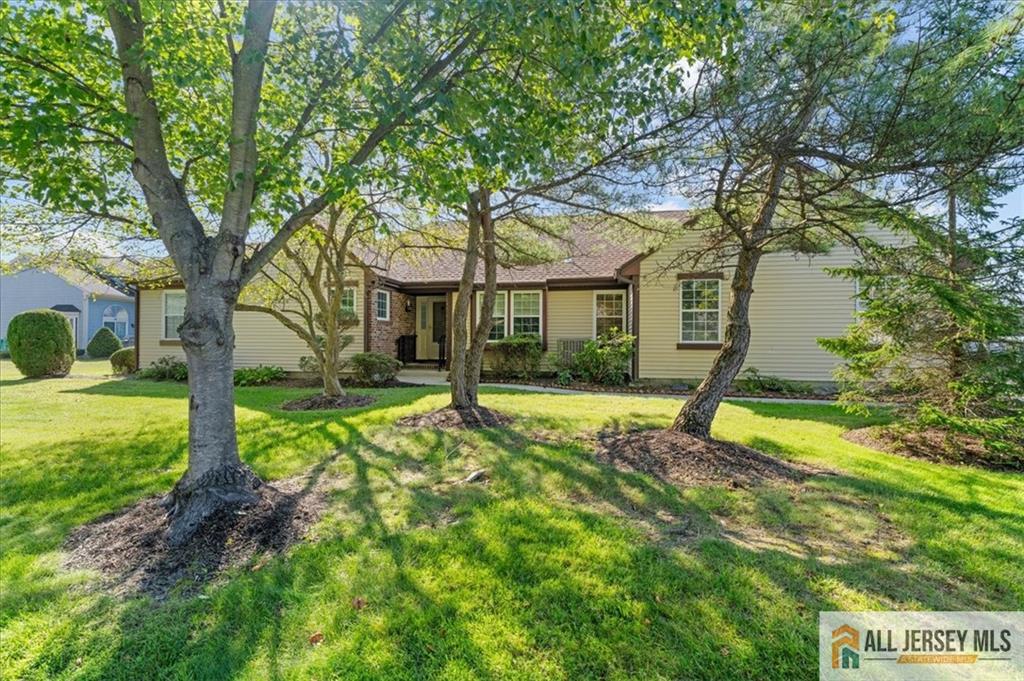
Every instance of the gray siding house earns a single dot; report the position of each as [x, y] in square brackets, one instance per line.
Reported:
[88, 302]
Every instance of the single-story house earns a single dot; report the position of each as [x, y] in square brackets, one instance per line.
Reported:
[405, 309]
[89, 301]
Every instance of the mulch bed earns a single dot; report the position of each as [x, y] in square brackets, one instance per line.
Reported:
[324, 402]
[932, 444]
[316, 382]
[130, 550]
[640, 389]
[685, 460]
[481, 417]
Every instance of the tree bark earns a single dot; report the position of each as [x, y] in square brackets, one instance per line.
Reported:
[216, 477]
[475, 356]
[699, 411]
[461, 396]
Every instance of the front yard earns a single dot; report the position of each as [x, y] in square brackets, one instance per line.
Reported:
[556, 567]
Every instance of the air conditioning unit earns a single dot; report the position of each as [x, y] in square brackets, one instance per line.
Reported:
[567, 347]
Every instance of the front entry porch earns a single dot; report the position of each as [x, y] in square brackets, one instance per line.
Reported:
[427, 344]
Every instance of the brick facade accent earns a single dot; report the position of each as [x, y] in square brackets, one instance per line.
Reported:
[382, 336]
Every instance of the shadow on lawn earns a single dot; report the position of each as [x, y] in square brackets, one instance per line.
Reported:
[560, 566]
[504, 579]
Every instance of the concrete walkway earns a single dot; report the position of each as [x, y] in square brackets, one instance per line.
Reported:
[421, 376]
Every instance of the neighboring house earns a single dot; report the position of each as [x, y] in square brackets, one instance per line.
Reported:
[678, 316]
[89, 301]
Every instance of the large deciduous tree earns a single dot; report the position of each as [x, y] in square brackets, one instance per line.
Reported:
[200, 118]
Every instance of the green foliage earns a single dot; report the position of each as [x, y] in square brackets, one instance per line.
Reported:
[123, 361]
[103, 344]
[166, 368]
[516, 356]
[258, 375]
[941, 335]
[375, 368]
[605, 360]
[753, 381]
[41, 343]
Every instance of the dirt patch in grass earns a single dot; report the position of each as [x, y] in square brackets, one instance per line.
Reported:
[480, 417]
[324, 402]
[685, 460]
[131, 551]
[932, 444]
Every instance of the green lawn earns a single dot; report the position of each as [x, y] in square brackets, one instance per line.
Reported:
[558, 568]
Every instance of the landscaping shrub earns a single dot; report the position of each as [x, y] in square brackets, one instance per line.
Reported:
[166, 368]
[123, 361]
[753, 381]
[605, 359]
[41, 343]
[516, 356]
[375, 368]
[103, 344]
[259, 375]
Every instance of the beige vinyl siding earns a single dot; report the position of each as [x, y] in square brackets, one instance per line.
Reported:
[259, 338]
[570, 314]
[794, 303]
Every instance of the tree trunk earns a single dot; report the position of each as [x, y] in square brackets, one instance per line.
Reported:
[331, 349]
[475, 357]
[329, 373]
[461, 398]
[699, 411]
[216, 477]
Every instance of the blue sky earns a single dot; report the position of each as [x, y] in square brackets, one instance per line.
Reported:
[1013, 204]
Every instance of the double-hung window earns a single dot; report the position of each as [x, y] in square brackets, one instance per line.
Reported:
[498, 330]
[700, 309]
[174, 313]
[383, 305]
[526, 312]
[348, 301]
[609, 312]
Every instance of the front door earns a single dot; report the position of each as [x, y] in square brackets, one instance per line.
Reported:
[430, 326]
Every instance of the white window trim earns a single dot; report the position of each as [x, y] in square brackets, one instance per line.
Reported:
[679, 312]
[163, 312]
[615, 291]
[479, 298]
[355, 299]
[510, 310]
[858, 303]
[376, 305]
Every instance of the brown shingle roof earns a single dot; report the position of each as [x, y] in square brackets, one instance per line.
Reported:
[587, 252]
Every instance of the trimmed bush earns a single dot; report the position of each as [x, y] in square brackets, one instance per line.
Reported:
[375, 368]
[516, 356]
[166, 368]
[604, 360]
[103, 344]
[41, 343]
[123, 361]
[260, 375]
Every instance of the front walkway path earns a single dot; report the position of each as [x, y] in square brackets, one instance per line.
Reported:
[421, 376]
